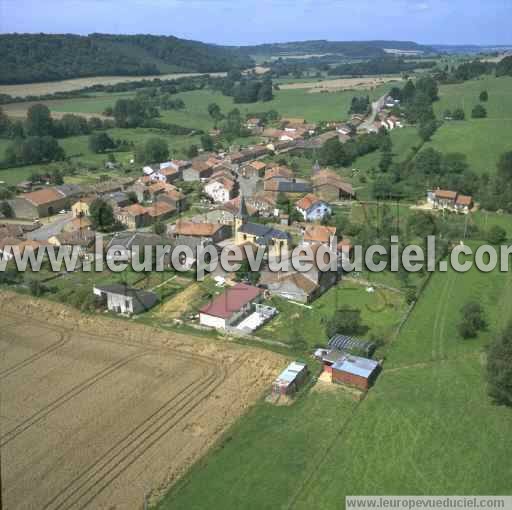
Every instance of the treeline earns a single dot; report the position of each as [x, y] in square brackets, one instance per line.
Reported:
[40, 123]
[465, 71]
[360, 105]
[504, 67]
[49, 57]
[244, 89]
[380, 66]
[335, 153]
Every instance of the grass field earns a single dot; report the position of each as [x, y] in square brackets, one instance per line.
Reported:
[380, 311]
[482, 140]
[427, 427]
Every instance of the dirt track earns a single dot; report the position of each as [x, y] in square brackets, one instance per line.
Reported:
[95, 412]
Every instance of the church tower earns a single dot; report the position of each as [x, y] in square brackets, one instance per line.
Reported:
[240, 217]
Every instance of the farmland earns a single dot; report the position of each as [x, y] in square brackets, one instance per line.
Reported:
[482, 140]
[428, 426]
[104, 412]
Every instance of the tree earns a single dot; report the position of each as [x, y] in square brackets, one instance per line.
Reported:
[102, 215]
[499, 368]
[345, 321]
[207, 143]
[385, 161]
[215, 113]
[159, 228]
[39, 121]
[427, 129]
[100, 142]
[245, 273]
[484, 96]
[496, 235]
[504, 166]
[192, 152]
[156, 150]
[421, 224]
[479, 112]
[472, 320]
[458, 114]
[6, 210]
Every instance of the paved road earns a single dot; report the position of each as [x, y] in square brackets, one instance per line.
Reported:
[376, 107]
[52, 229]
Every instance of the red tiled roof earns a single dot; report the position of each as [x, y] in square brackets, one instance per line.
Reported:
[446, 194]
[43, 196]
[189, 228]
[307, 201]
[465, 200]
[231, 301]
[319, 233]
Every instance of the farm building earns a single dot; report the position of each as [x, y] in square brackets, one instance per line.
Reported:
[230, 307]
[355, 371]
[351, 345]
[290, 379]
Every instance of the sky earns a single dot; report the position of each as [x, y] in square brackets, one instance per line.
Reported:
[239, 22]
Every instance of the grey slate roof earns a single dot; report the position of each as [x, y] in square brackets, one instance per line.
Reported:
[263, 232]
[148, 299]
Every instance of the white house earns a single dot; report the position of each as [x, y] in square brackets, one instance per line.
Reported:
[313, 208]
[221, 189]
[120, 298]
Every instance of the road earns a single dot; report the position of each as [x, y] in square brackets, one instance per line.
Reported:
[376, 108]
[51, 229]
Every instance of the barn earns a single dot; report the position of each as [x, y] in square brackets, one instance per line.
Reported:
[290, 379]
[355, 371]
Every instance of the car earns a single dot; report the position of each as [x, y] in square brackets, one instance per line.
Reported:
[63, 211]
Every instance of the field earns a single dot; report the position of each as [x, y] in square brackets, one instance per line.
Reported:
[482, 140]
[51, 87]
[427, 427]
[95, 414]
[333, 85]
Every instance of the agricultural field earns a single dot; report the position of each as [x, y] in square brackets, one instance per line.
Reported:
[482, 140]
[338, 84]
[427, 427]
[128, 409]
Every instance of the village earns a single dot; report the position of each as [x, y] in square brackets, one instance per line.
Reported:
[247, 198]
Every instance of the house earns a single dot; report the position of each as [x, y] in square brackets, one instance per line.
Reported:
[304, 286]
[133, 216]
[81, 207]
[77, 224]
[117, 199]
[330, 187]
[355, 371]
[221, 189]
[253, 169]
[276, 186]
[279, 173]
[120, 298]
[200, 169]
[160, 211]
[318, 234]
[42, 203]
[313, 208]
[344, 129]
[253, 123]
[212, 232]
[81, 239]
[290, 379]
[230, 307]
[451, 200]
[175, 198]
[317, 142]
[238, 158]
[127, 242]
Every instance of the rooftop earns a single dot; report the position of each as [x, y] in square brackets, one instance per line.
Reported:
[231, 301]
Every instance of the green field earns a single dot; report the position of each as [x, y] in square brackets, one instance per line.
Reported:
[427, 427]
[482, 140]
[381, 311]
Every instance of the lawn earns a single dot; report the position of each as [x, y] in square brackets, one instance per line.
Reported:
[381, 311]
[427, 426]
